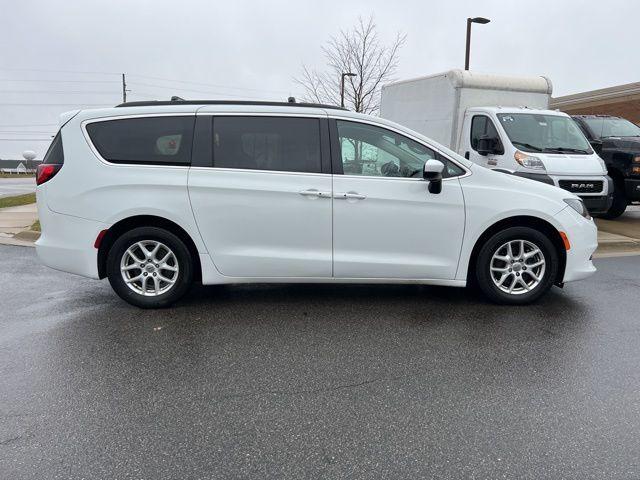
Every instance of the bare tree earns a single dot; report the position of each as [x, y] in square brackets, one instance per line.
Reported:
[358, 51]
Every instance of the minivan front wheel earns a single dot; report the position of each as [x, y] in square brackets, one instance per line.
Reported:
[150, 267]
[517, 266]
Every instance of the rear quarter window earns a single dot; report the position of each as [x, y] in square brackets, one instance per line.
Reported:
[150, 140]
[55, 153]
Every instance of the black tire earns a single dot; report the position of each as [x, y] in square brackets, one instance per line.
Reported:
[181, 256]
[484, 275]
[619, 204]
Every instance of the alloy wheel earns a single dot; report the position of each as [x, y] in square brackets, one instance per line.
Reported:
[149, 268]
[517, 267]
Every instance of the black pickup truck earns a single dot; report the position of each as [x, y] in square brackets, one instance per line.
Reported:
[617, 141]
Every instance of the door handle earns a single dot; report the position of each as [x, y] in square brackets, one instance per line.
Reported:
[312, 192]
[349, 196]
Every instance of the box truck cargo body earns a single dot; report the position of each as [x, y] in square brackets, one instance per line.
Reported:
[502, 123]
[435, 105]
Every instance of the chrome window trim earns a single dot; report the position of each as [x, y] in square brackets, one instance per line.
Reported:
[252, 170]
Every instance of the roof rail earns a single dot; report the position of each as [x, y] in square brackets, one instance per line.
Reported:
[158, 103]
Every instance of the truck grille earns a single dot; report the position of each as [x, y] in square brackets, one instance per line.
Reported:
[581, 186]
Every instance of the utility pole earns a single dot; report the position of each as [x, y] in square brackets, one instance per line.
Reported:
[124, 89]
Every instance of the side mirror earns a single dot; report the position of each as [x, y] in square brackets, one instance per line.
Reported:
[597, 146]
[486, 145]
[432, 173]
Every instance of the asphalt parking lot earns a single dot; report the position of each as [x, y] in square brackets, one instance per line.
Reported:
[317, 381]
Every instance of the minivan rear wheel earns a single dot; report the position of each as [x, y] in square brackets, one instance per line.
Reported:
[149, 267]
[517, 266]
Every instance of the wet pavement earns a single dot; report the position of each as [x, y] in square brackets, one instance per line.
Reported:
[317, 381]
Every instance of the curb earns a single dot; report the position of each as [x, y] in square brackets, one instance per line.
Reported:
[16, 243]
[27, 236]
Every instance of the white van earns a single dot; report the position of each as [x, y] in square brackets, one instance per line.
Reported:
[502, 123]
[156, 195]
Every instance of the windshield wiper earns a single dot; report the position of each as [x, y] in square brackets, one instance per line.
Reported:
[528, 145]
[620, 136]
[564, 150]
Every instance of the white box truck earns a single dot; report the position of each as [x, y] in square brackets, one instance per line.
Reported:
[502, 123]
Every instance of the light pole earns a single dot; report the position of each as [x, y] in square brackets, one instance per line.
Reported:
[480, 20]
[347, 74]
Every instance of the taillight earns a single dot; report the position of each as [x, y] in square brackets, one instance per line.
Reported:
[46, 172]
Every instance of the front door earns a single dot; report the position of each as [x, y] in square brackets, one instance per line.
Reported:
[386, 224]
[264, 206]
[482, 126]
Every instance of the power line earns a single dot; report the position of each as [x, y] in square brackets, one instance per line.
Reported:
[56, 71]
[30, 125]
[55, 81]
[55, 104]
[91, 92]
[182, 89]
[229, 87]
[209, 84]
[23, 132]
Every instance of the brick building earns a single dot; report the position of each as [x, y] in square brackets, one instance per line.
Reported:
[620, 101]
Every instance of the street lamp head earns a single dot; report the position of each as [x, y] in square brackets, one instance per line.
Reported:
[349, 74]
[481, 20]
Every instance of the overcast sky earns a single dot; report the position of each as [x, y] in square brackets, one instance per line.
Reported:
[253, 49]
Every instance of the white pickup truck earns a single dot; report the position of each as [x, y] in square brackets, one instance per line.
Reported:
[502, 123]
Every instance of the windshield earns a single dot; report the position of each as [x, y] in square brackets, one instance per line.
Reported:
[532, 132]
[603, 127]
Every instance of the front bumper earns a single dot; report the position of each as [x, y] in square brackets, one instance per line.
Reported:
[598, 205]
[632, 189]
[583, 238]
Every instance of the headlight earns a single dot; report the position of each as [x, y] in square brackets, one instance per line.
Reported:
[578, 206]
[635, 168]
[529, 161]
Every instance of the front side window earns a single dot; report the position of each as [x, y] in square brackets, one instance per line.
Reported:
[148, 140]
[267, 143]
[368, 150]
[533, 132]
[603, 127]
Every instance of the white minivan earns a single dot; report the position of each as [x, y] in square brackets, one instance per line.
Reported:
[156, 195]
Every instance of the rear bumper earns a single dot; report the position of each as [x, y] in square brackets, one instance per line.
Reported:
[66, 242]
[632, 189]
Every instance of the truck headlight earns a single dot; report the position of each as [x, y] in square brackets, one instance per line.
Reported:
[529, 161]
[578, 206]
